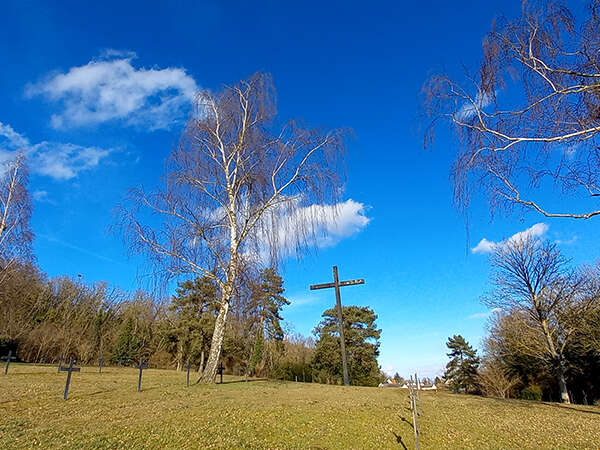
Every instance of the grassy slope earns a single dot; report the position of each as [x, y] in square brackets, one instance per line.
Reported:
[105, 411]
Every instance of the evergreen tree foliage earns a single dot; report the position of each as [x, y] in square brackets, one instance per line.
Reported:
[398, 379]
[264, 315]
[194, 308]
[267, 301]
[136, 337]
[127, 347]
[461, 371]
[362, 347]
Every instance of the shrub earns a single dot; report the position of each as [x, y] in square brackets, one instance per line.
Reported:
[532, 392]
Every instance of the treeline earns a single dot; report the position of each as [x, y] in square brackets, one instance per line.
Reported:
[44, 319]
[544, 335]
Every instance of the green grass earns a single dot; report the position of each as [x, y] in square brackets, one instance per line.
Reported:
[105, 411]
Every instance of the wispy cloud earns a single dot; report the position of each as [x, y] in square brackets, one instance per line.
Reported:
[335, 222]
[487, 246]
[484, 315]
[40, 196]
[567, 241]
[61, 161]
[70, 246]
[111, 88]
[300, 300]
[15, 139]
[469, 109]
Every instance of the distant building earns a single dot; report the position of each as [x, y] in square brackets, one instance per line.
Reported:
[392, 383]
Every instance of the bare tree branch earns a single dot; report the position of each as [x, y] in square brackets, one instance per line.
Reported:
[532, 116]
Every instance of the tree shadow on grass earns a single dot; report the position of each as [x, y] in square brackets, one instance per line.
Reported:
[569, 408]
[244, 381]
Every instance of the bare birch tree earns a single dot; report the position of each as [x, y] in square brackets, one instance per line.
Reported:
[529, 121]
[533, 281]
[237, 189]
[15, 213]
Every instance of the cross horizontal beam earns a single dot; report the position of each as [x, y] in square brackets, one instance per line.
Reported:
[70, 369]
[314, 287]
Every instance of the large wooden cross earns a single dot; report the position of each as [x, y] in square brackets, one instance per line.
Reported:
[338, 302]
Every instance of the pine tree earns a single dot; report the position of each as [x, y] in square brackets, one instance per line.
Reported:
[266, 304]
[362, 346]
[127, 348]
[461, 371]
[195, 308]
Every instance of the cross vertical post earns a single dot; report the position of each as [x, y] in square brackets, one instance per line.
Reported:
[220, 371]
[143, 365]
[338, 303]
[8, 359]
[70, 369]
[188, 373]
[101, 364]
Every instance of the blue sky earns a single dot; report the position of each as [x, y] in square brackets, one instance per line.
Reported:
[97, 93]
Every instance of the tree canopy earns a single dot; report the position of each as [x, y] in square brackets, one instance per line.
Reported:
[461, 370]
[362, 346]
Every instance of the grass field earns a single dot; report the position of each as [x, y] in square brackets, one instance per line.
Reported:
[105, 411]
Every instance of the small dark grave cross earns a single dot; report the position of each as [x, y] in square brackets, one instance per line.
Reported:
[60, 361]
[8, 359]
[69, 370]
[188, 367]
[220, 371]
[143, 365]
[338, 302]
[100, 364]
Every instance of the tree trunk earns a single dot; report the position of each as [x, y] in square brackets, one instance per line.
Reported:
[558, 360]
[562, 384]
[201, 366]
[179, 356]
[210, 371]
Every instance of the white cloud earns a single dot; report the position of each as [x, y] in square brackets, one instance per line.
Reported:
[334, 223]
[486, 246]
[342, 220]
[14, 139]
[65, 161]
[567, 241]
[61, 161]
[111, 88]
[484, 315]
[40, 196]
[469, 109]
